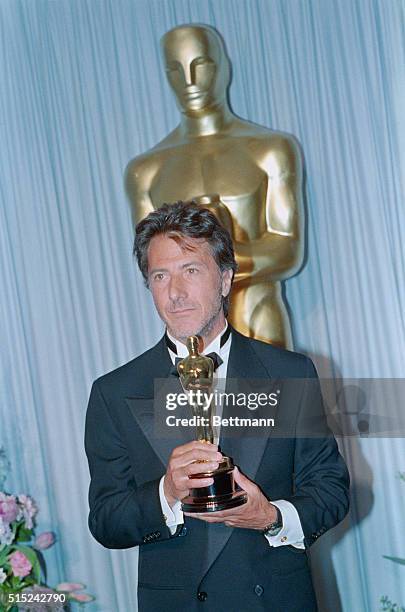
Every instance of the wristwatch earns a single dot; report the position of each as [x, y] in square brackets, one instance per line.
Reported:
[276, 526]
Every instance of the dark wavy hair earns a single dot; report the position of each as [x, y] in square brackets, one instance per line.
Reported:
[180, 221]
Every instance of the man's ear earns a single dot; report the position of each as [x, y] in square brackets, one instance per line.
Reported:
[227, 276]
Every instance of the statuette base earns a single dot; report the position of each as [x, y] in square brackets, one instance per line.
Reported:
[223, 494]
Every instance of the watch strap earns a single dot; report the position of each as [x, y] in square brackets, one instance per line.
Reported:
[276, 526]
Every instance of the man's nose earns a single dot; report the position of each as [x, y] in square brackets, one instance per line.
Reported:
[177, 288]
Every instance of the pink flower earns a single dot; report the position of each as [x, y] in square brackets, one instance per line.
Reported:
[70, 586]
[82, 597]
[44, 540]
[20, 564]
[8, 508]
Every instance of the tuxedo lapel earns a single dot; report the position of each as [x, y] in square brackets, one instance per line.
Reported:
[244, 371]
[143, 403]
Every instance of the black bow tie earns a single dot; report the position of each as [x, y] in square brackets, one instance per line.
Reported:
[214, 356]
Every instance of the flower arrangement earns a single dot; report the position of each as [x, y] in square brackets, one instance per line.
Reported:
[21, 560]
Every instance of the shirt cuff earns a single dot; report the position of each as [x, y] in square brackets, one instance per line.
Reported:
[291, 533]
[173, 516]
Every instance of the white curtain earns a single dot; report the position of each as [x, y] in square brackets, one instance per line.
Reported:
[82, 92]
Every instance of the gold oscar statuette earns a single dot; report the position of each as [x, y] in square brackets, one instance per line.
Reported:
[196, 375]
[248, 175]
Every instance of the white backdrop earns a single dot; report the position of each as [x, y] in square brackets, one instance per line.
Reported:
[83, 91]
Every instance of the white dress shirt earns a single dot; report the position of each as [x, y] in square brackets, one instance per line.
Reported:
[291, 532]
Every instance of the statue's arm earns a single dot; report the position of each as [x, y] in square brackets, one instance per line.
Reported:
[278, 253]
[138, 178]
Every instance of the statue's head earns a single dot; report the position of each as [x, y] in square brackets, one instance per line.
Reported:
[197, 66]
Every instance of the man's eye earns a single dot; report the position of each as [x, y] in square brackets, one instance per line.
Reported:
[192, 270]
[159, 276]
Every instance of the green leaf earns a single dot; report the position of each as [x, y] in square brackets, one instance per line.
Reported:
[24, 534]
[15, 583]
[4, 554]
[395, 559]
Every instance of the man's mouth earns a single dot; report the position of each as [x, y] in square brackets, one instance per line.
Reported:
[181, 311]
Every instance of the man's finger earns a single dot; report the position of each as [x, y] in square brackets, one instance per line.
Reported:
[244, 482]
[194, 444]
[219, 516]
[195, 483]
[194, 455]
[197, 468]
[204, 517]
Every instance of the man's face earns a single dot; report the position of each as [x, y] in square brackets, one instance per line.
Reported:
[187, 285]
[196, 67]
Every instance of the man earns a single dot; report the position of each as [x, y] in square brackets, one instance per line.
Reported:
[248, 558]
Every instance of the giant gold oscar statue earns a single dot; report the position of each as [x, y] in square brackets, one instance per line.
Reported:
[249, 175]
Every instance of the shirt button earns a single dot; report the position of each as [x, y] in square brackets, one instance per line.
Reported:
[202, 595]
[259, 590]
[165, 517]
[283, 539]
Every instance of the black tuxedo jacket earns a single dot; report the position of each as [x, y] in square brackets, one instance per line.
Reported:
[210, 566]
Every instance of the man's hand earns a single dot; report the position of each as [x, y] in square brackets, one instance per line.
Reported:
[185, 461]
[256, 513]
